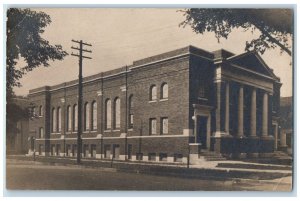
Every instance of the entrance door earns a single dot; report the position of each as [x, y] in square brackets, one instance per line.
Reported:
[202, 131]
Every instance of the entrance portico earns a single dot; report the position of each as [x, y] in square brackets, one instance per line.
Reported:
[243, 112]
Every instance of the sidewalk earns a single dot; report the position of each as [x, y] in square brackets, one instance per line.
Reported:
[205, 171]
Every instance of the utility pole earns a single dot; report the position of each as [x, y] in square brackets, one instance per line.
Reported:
[79, 117]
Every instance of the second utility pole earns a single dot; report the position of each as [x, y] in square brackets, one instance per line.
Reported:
[79, 117]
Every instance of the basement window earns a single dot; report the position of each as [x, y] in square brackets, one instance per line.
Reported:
[152, 157]
[163, 157]
[178, 157]
[139, 156]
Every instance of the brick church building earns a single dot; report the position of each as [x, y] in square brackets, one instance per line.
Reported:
[169, 107]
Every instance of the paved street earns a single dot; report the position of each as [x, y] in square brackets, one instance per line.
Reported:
[37, 176]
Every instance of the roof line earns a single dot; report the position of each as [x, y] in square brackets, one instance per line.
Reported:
[240, 55]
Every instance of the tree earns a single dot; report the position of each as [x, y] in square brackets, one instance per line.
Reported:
[24, 29]
[24, 40]
[275, 25]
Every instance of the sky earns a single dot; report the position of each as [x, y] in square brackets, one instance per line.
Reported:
[121, 36]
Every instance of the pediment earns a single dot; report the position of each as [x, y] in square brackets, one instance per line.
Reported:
[252, 61]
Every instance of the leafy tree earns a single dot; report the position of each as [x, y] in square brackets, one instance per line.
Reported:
[24, 29]
[24, 40]
[275, 25]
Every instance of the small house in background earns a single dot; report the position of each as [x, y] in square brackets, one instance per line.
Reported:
[286, 124]
[17, 125]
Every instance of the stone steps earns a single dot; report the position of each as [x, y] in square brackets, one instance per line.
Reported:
[212, 156]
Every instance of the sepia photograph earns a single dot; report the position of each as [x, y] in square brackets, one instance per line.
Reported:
[150, 99]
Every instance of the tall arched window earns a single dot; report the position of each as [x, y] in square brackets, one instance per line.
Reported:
[69, 118]
[117, 113]
[164, 91]
[94, 115]
[130, 122]
[53, 120]
[34, 112]
[130, 102]
[86, 116]
[75, 117]
[153, 93]
[202, 92]
[59, 119]
[108, 114]
[41, 132]
[41, 111]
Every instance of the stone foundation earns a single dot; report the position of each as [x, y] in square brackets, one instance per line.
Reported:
[241, 147]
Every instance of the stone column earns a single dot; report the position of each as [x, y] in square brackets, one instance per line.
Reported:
[227, 108]
[218, 108]
[253, 140]
[241, 112]
[195, 127]
[265, 116]
[275, 136]
[253, 114]
[283, 139]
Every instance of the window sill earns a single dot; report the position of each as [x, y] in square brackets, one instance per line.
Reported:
[107, 131]
[116, 130]
[93, 131]
[205, 99]
[153, 101]
[163, 99]
[55, 133]
[130, 129]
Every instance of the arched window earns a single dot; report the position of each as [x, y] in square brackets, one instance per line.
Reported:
[34, 112]
[130, 102]
[164, 91]
[41, 110]
[130, 122]
[75, 117]
[153, 93]
[94, 115]
[59, 119]
[41, 132]
[69, 118]
[86, 116]
[202, 92]
[117, 113]
[108, 114]
[53, 120]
